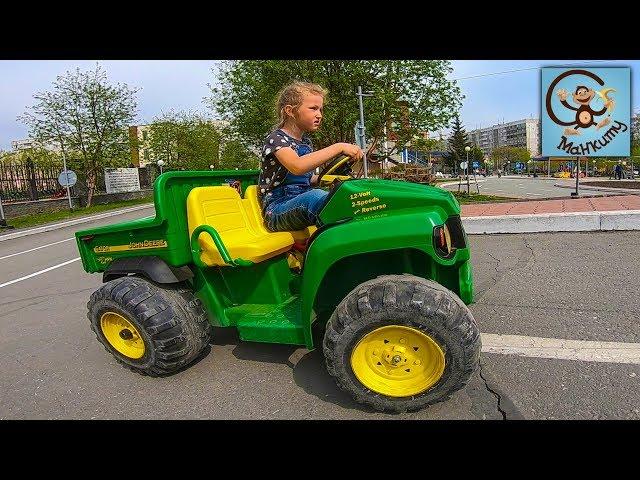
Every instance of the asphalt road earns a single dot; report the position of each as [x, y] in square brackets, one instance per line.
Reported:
[526, 187]
[580, 286]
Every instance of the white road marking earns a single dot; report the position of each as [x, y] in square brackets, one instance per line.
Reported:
[39, 272]
[580, 350]
[37, 248]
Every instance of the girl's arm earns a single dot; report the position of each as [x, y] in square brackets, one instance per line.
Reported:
[301, 165]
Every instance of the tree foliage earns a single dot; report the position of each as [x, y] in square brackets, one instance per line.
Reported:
[409, 97]
[88, 118]
[184, 141]
[190, 141]
[635, 134]
[457, 143]
[501, 155]
[37, 154]
[476, 154]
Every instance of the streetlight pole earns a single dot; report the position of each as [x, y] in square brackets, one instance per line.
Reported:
[362, 128]
[3, 221]
[575, 194]
[160, 164]
[467, 149]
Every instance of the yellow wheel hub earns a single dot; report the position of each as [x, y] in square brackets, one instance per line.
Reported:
[397, 361]
[122, 335]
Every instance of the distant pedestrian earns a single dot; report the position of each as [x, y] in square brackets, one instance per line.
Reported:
[618, 172]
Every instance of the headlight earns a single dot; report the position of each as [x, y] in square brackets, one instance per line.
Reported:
[442, 241]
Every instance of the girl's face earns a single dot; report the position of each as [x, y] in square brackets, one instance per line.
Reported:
[309, 114]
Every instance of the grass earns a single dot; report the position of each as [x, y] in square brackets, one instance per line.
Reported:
[49, 217]
[465, 199]
[442, 180]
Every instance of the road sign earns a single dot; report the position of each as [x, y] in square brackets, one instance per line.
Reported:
[67, 176]
[476, 164]
[463, 164]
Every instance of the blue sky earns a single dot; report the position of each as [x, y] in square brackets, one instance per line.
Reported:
[491, 96]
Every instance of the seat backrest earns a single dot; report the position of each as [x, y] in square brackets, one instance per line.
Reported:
[253, 204]
[220, 207]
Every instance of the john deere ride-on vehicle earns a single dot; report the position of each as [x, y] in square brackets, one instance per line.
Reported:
[386, 278]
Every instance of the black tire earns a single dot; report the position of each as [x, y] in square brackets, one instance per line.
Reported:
[172, 322]
[403, 300]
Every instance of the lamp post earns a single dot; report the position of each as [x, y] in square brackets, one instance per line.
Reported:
[528, 164]
[160, 164]
[211, 167]
[593, 168]
[467, 149]
[3, 221]
[361, 129]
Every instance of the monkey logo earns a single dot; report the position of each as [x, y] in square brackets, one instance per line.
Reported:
[585, 115]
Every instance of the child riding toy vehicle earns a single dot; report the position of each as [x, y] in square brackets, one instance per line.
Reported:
[387, 276]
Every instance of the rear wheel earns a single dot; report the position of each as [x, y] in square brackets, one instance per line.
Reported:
[399, 343]
[149, 328]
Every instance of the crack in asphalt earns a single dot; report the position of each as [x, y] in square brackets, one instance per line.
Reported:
[496, 394]
[554, 307]
[7, 313]
[57, 294]
[497, 277]
[481, 292]
[533, 255]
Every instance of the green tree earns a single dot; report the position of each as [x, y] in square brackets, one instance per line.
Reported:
[476, 154]
[502, 155]
[635, 135]
[457, 142]
[88, 118]
[235, 155]
[184, 141]
[37, 154]
[407, 96]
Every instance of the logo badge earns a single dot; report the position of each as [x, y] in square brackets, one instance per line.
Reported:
[586, 112]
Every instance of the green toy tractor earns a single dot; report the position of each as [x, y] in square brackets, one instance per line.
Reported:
[386, 278]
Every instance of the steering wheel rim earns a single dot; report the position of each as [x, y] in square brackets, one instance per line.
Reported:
[334, 164]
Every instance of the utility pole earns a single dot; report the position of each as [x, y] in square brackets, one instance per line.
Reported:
[66, 173]
[575, 194]
[361, 128]
[3, 221]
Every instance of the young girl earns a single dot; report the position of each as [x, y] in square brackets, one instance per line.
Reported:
[288, 160]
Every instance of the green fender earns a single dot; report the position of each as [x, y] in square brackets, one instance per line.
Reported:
[366, 235]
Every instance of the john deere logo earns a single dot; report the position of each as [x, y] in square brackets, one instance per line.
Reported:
[585, 112]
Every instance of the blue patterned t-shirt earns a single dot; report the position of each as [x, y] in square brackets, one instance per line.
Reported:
[272, 172]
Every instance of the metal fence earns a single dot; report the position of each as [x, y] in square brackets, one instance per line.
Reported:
[27, 181]
[24, 181]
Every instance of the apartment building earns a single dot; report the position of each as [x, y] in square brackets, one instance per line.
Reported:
[520, 133]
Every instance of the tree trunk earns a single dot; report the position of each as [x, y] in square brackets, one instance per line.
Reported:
[91, 186]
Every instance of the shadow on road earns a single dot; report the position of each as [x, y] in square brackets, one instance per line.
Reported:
[308, 367]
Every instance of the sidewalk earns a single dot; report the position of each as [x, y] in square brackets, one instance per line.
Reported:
[620, 212]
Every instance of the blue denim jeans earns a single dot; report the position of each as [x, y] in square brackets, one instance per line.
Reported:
[292, 207]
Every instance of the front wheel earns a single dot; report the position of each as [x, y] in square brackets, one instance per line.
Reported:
[399, 343]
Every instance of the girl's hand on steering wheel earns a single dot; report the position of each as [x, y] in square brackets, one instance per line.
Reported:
[352, 151]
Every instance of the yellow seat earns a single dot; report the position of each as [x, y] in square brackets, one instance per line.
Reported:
[251, 195]
[234, 220]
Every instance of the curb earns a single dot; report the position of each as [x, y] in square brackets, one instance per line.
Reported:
[585, 186]
[553, 222]
[76, 221]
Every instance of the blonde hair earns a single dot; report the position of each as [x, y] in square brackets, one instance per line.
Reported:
[293, 94]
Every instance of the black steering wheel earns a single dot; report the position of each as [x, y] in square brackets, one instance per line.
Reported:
[339, 166]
